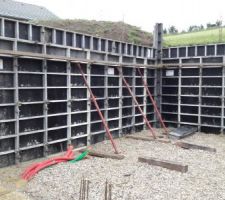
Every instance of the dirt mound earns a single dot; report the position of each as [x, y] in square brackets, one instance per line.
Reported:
[112, 30]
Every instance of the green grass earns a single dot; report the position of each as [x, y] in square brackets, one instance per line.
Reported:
[201, 37]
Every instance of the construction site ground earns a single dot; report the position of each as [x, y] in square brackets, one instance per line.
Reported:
[130, 179]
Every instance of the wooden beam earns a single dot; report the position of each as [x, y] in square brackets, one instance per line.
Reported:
[140, 138]
[163, 140]
[144, 138]
[176, 166]
[186, 145]
[104, 155]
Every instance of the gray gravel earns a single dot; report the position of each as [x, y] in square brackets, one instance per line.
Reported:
[138, 181]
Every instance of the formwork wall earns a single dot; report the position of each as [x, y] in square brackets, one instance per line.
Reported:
[44, 104]
[192, 89]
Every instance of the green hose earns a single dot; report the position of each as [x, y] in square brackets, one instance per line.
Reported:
[80, 157]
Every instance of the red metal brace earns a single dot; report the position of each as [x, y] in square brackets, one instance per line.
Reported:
[136, 102]
[153, 101]
[98, 109]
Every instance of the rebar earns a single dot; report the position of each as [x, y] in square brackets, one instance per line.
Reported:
[108, 191]
[84, 189]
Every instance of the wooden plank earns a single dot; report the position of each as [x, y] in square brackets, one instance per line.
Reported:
[176, 166]
[163, 140]
[186, 145]
[144, 138]
[104, 155]
[140, 138]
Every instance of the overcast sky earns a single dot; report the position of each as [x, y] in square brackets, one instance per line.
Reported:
[142, 13]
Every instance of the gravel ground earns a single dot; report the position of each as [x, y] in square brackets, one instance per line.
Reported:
[205, 179]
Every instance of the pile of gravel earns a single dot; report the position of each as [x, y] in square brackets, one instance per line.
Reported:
[138, 181]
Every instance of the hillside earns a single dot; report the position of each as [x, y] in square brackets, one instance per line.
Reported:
[128, 33]
[201, 37]
[112, 30]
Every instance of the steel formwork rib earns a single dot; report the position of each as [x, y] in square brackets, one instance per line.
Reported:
[98, 109]
[136, 102]
[153, 101]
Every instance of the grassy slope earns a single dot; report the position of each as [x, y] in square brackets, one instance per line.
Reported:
[202, 37]
[128, 33]
[113, 30]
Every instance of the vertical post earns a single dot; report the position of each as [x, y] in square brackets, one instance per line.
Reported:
[17, 105]
[68, 103]
[120, 101]
[133, 102]
[106, 93]
[145, 94]
[157, 40]
[179, 92]
[45, 107]
[223, 93]
[200, 96]
[157, 44]
[88, 106]
[88, 74]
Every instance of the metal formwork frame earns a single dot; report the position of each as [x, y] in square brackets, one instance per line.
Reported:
[137, 104]
[152, 100]
[59, 128]
[93, 98]
[223, 97]
[208, 60]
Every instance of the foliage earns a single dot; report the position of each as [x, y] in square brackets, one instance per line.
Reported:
[172, 30]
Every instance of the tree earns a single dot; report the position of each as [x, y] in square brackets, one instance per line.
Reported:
[191, 28]
[202, 27]
[209, 25]
[219, 23]
[195, 28]
[164, 31]
[172, 30]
